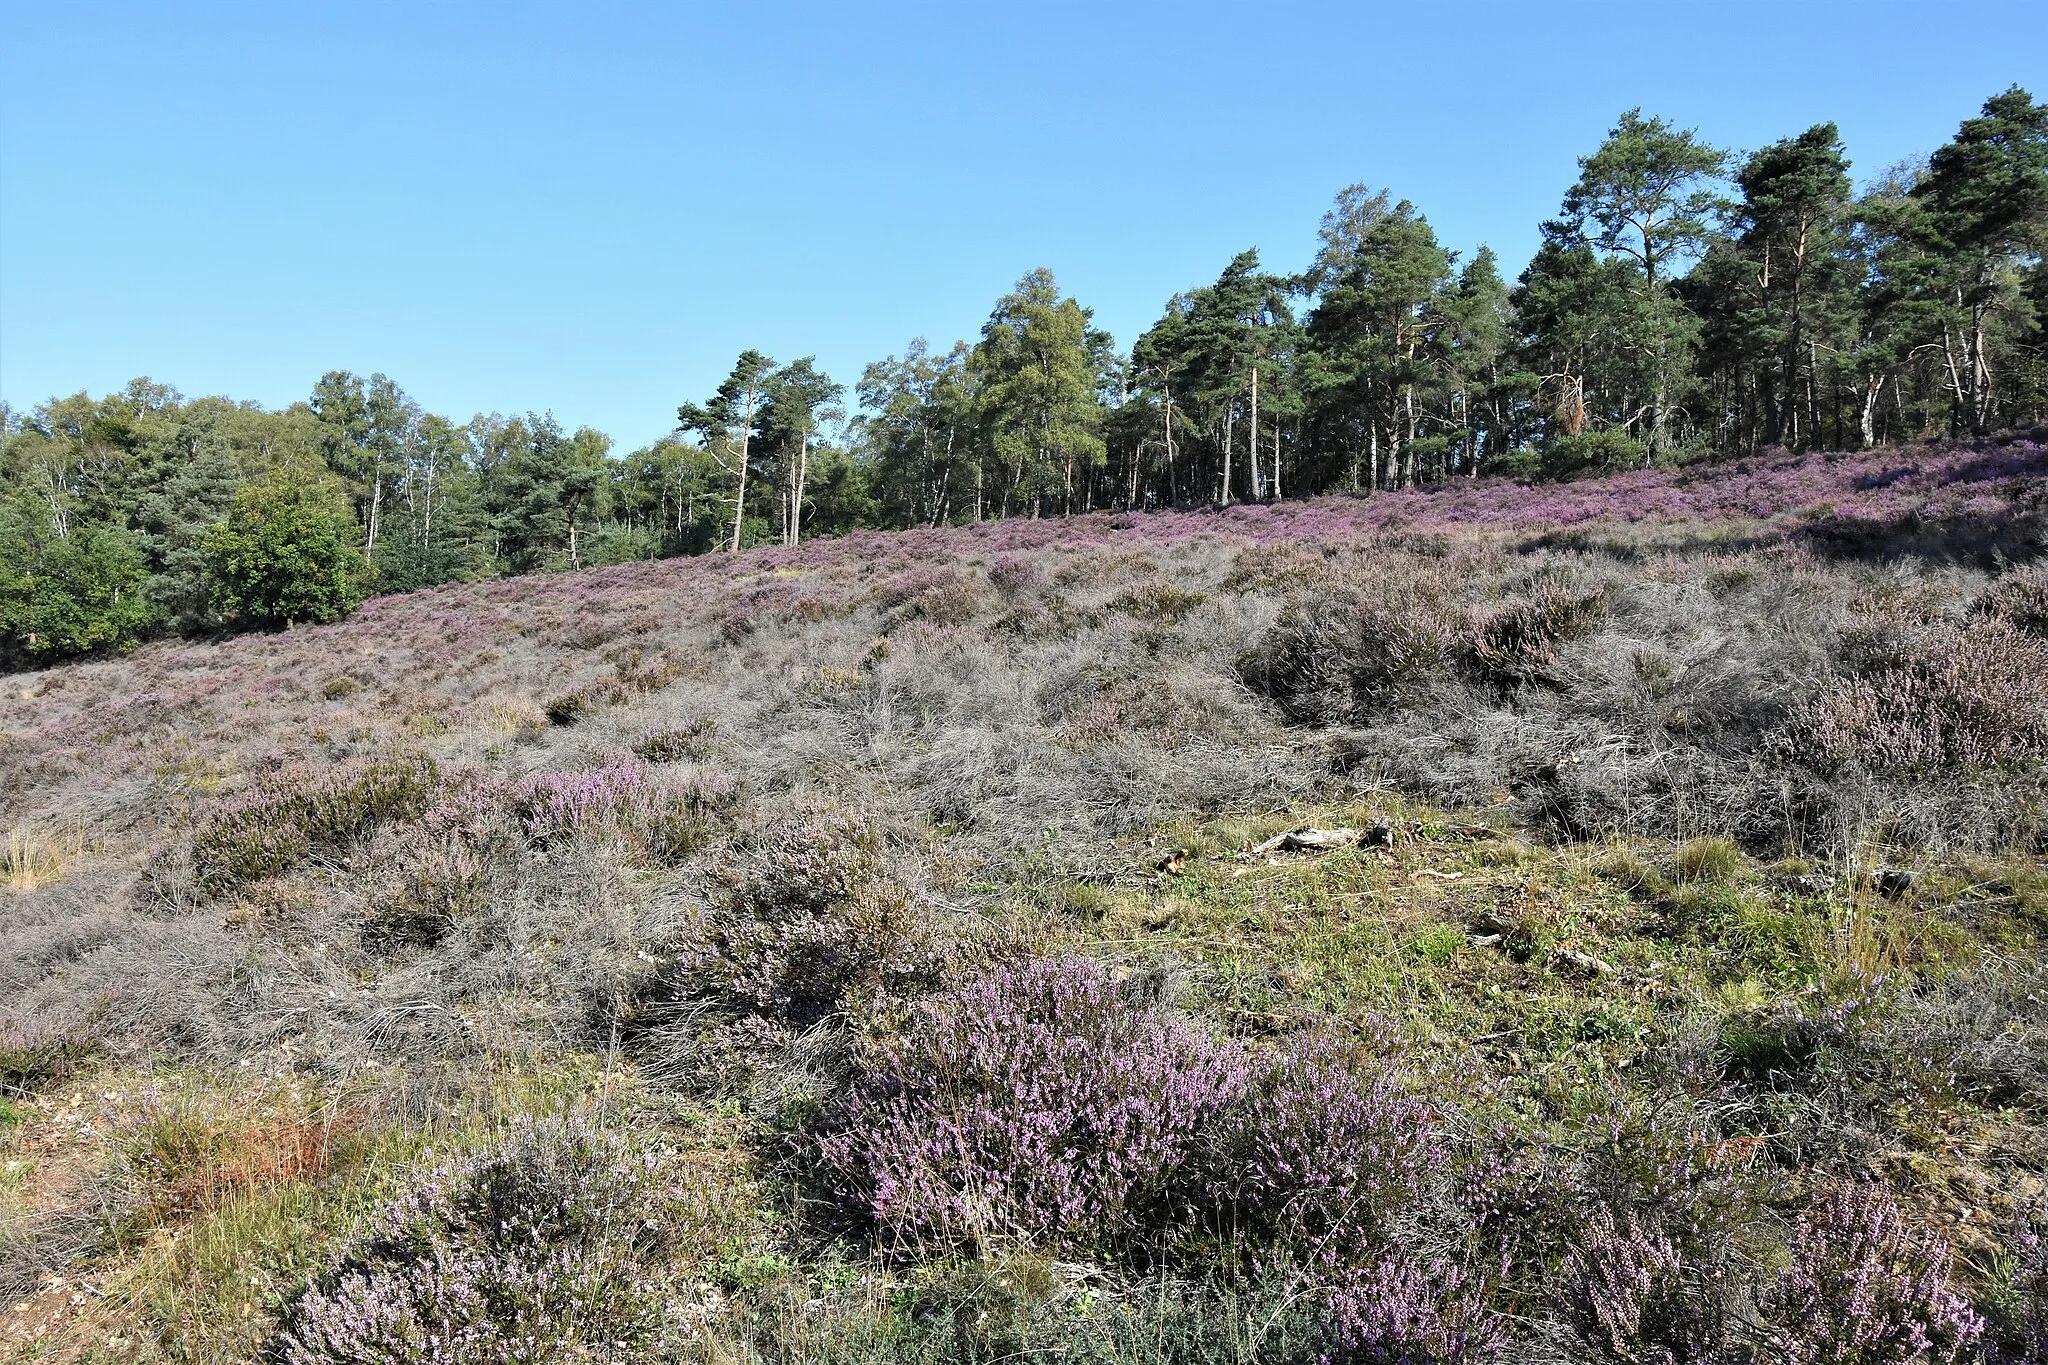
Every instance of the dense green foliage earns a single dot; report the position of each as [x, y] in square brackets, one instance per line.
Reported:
[1682, 304]
[285, 554]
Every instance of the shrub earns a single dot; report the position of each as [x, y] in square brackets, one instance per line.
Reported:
[2030, 1290]
[1348, 660]
[35, 1053]
[1866, 1288]
[269, 828]
[942, 596]
[540, 1248]
[1518, 640]
[1396, 1312]
[1013, 574]
[1157, 602]
[690, 741]
[1320, 1152]
[2021, 599]
[801, 920]
[1631, 1294]
[1037, 1102]
[620, 799]
[1970, 700]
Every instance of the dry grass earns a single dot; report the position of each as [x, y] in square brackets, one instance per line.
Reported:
[36, 859]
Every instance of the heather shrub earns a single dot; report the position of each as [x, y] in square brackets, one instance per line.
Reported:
[1014, 574]
[2020, 598]
[1037, 1102]
[1157, 602]
[1517, 641]
[1322, 1149]
[1664, 1164]
[621, 798]
[35, 1053]
[803, 928]
[2029, 1262]
[1964, 700]
[690, 741]
[545, 1246]
[1864, 1287]
[1630, 1292]
[443, 880]
[568, 708]
[1395, 1311]
[1356, 655]
[285, 815]
[803, 916]
[942, 596]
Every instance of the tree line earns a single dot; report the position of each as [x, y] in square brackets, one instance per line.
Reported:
[1684, 303]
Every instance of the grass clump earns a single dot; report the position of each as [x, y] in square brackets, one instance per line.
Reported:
[36, 859]
[1708, 860]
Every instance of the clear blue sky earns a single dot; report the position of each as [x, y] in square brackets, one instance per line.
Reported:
[591, 208]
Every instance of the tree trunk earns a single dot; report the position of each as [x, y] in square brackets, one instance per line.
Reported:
[739, 502]
[376, 500]
[1252, 447]
[796, 501]
[1229, 411]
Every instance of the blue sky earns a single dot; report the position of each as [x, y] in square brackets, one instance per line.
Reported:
[590, 208]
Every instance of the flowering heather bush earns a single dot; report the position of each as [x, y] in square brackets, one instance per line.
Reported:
[621, 799]
[1393, 1311]
[269, 828]
[1632, 1294]
[1967, 700]
[537, 1249]
[1320, 1151]
[1011, 574]
[1866, 1288]
[1038, 1102]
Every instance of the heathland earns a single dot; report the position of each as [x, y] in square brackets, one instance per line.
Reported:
[1599, 920]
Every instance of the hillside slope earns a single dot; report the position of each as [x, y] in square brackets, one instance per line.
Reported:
[1691, 876]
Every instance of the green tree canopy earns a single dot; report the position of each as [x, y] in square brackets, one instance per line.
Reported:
[284, 554]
